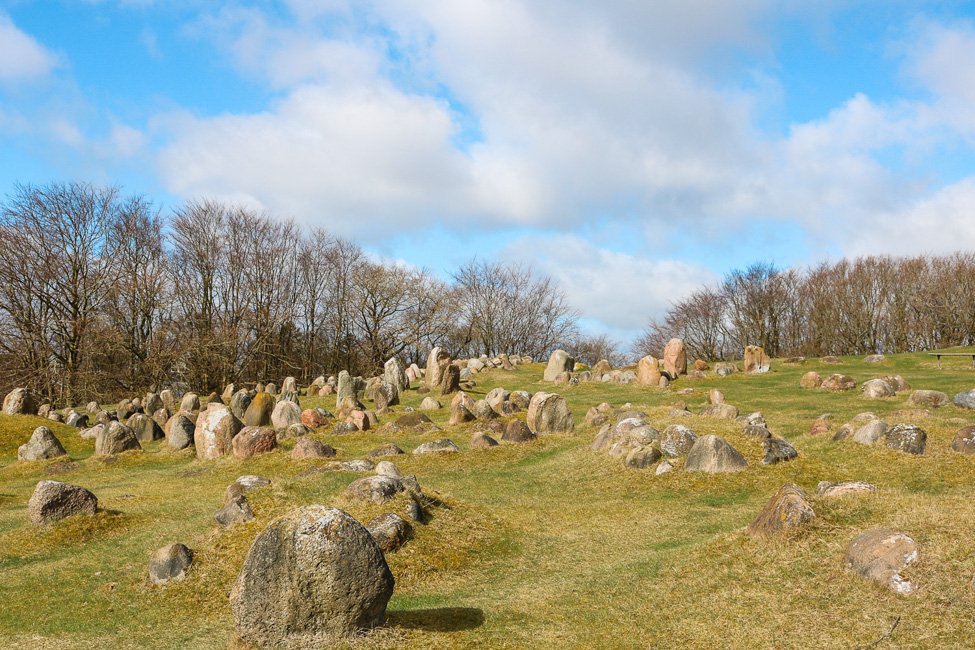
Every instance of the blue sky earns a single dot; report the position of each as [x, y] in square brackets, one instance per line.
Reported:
[631, 150]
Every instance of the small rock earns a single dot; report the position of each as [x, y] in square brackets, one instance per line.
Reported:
[786, 510]
[727, 411]
[928, 398]
[308, 447]
[517, 431]
[377, 489]
[251, 441]
[829, 490]
[236, 510]
[664, 467]
[390, 531]
[43, 444]
[677, 440]
[443, 445]
[838, 382]
[964, 441]
[115, 439]
[169, 564]
[778, 450]
[965, 400]
[712, 454]
[870, 432]
[388, 449]
[908, 438]
[483, 441]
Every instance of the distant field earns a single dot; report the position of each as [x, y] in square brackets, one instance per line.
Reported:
[539, 545]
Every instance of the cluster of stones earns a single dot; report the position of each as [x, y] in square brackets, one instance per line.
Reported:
[633, 439]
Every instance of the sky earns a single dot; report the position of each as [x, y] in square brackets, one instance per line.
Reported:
[631, 150]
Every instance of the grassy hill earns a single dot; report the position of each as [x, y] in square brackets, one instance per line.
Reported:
[546, 544]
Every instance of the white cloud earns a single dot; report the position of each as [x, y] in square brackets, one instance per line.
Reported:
[21, 56]
[619, 290]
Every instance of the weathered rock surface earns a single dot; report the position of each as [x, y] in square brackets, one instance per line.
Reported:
[675, 358]
[838, 382]
[43, 444]
[170, 564]
[53, 501]
[285, 414]
[677, 440]
[308, 447]
[443, 445]
[311, 578]
[20, 401]
[965, 400]
[928, 398]
[878, 389]
[755, 360]
[726, 411]
[648, 371]
[180, 431]
[832, 490]
[870, 432]
[390, 531]
[558, 362]
[549, 413]
[881, 555]
[114, 439]
[517, 431]
[215, 431]
[964, 440]
[713, 455]
[908, 438]
[145, 428]
[235, 511]
[437, 361]
[258, 413]
[788, 509]
[377, 489]
[251, 441]
[778, 450]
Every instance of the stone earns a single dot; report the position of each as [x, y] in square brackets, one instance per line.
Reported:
[180, 431]
[190, 402]
[289, 385]
[838, 382]
[450, 380]
[549, 413]
[459, 415]
[520, 398]
[463, 399]
[727, 411]
[870, 432]
[675, 358]
[394, 374]
[558, 362]
[648, 371]
[874, 358]
[677, 440]
[663, 468]
[124, 410]
[908, 438]
[145, 428]
[787, 510]
[483, 441]
[964, 440]
[641, 457]
[430, 404]
[878, 389]
[388, 449]
[115, 438]
[437, 361]
[701, 365]
[724, 368]
[517, 431]
[240, 401]
[43, 444]
[251, 441]
[965, 400]
[53, 501]
[484, 411]
[54, 416]
[388, 468]
[308, 447]
[235, 511]
[829, 490]
[755, 360]
[312, 578]
[759, 431]
[359, 419]
[92, 433]
[376, 489]
[170, 564]
[712, 455]
[443, 445]
[496, 397]
[831, 360]
[258, 413]
[285, 414]
[928, 398]
[390, 531]
[882, 555]
[20, 401]
[313, 418]
[715, 396]
[75, 419]
[215, 431]
[778, 450]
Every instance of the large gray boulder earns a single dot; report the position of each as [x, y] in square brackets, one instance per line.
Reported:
[20, 401]
[677, 440]
[712, 455]
[43, 444]
[311, 578]
[215, 431]
[114, 438]
[879, 388]
[394, 374]
[558, 362]
[549, 413]
[180, 431]
[53, 500]
[929, 398]
[908, 438]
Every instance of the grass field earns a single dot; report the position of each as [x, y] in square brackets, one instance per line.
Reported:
[539, 545]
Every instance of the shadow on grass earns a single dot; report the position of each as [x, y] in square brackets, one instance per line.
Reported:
[439, 619]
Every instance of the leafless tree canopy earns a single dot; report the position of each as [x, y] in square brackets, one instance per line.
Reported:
[102, 295]
[860, 306]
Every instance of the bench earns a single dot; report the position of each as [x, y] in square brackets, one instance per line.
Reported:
[953, 354]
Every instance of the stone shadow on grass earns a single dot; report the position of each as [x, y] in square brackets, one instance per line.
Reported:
[438, 619]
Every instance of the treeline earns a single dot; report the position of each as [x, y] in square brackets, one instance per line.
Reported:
[875, 304]
[102, 295]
